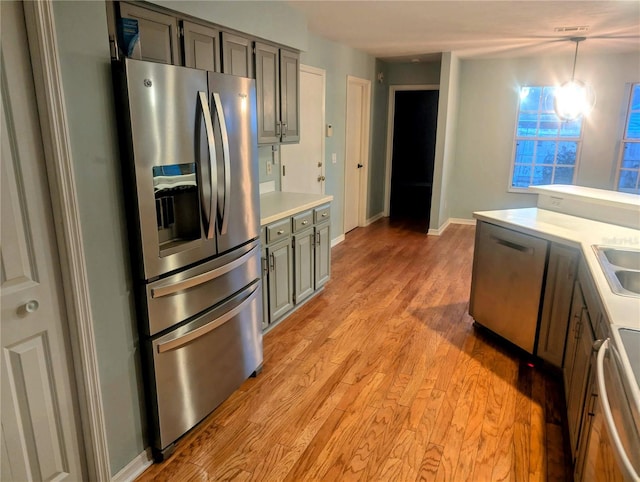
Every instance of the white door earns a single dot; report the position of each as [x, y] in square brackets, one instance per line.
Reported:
[40, 429]
[357, 151]
[303, 163]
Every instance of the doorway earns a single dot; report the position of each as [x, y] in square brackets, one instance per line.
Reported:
[356, 152]
[303, 167]
[414, 114]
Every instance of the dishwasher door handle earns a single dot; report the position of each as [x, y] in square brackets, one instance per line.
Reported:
[512, 245]
[627, 468]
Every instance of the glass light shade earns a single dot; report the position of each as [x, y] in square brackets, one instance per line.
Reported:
[573, 99]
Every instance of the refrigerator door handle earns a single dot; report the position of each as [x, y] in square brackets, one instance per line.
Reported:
[213, 175]
[202, 278]
[203, 330]
[227, 163]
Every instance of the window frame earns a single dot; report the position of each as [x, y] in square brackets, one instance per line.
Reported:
[578, 140]
[626, 140]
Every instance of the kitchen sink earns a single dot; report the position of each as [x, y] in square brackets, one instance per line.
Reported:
[630, 280]
[624, 258]
[621, 267]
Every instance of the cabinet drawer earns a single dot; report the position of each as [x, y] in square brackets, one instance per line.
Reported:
[278, 230]
[322, 213]
[302, 221]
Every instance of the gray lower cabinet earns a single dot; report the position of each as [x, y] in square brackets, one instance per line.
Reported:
[298, 248]
[303, 262]
[280, 279]
[576, 371]
[561, 274]
[322, 254]
[201, 46]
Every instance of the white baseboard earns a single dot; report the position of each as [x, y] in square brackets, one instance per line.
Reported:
[441, 229]
[134, 468]
[337, 240]
[373, 219]
[470, 222]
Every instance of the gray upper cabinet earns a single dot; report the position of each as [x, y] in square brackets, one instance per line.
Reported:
[158, 35]
[268, 93]
[237, 58]
[278, 86]
[289, 95]
[201, 47]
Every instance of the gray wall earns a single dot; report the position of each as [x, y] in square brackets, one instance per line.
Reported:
[487, 115]
[86, 72]
[274, 21]
[446, 137]
[409, 73]
[339, 61]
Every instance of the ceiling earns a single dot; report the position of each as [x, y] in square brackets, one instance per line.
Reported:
[403, 31]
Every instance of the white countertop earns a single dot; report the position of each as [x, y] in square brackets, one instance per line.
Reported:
[619, 200]
[621, 311]
[277, 205]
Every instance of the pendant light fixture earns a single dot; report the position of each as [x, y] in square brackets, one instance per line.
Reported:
[574, 98]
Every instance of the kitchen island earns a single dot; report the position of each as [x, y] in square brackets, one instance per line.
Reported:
[595, 318]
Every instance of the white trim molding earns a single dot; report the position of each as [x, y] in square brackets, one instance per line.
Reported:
[43, 48]
[374, 218]
[448, 222]
[337, 240]
[134, 468]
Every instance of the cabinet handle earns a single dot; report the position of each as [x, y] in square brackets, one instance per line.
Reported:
[317, 239]
[281, 231]
[272, 264]
[324, 215]
[265, 266]
[278, 128]
[284, 129]
[305, 222]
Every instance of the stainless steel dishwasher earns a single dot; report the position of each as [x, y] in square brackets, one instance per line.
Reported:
[506, 285]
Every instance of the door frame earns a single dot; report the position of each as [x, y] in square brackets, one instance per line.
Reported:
[43, 47]
[390, 115]
[364, 151]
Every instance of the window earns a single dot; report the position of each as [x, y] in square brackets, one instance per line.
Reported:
[546, 148]
[629, 165]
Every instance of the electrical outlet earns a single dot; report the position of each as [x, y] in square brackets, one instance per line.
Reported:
[269, 168]
[334, 157]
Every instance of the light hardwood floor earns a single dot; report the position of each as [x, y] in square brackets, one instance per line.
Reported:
[383, 376]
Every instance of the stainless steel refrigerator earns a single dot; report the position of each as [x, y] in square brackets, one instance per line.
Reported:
[189, 147]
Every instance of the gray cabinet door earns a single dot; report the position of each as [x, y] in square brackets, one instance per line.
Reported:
[201, 47]
[290, 95]
[268, 93]
[280, 279]
[323, 255]
[561, 275]
[576, 371]
[265, 288]
[237, 58]
[158, 35]
[303, 261]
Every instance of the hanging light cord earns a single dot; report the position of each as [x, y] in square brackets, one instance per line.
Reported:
[577, 40]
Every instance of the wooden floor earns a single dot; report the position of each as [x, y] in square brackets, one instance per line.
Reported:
[383, 376]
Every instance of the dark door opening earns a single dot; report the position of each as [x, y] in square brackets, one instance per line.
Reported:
[413, 155]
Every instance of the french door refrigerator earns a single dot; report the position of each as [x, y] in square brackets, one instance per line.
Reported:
[189, 146]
